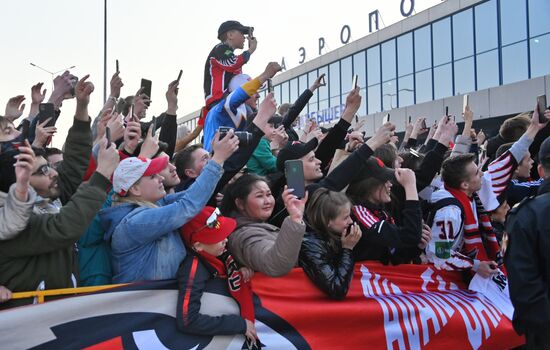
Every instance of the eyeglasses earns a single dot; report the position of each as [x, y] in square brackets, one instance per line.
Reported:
[43, 170]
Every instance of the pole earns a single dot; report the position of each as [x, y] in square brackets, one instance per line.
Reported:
[105, 53]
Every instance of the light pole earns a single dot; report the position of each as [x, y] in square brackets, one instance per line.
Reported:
[393, 95]
[105, 51]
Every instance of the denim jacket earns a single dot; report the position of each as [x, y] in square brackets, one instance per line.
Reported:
[145, 242]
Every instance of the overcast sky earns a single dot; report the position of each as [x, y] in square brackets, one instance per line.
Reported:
[155, 39]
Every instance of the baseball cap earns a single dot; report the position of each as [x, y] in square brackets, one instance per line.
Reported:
[130, 170]
[294, 150]
[544, 153]
[208, 227]
[375, 167]
[231, 25]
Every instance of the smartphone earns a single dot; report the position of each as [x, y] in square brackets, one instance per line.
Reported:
[133, 117]
[424, 126]
[223, 130]
[251, 32]
[354, 82]
[117, 69]
[410, 119]
[356, 119]
[46, 110]
[269, 86]
[323, 81]
[465, 101]
[447, 111]
[294, 173]
[541, 103]
[108, 136]
[146, 85]
[154, 123]
[179, 75]
[386, 119]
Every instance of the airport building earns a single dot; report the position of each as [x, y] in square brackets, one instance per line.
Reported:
[497, 51]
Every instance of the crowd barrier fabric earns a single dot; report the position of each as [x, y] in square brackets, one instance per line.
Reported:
[394, 307]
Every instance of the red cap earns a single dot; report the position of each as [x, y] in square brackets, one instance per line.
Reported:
[208, 227]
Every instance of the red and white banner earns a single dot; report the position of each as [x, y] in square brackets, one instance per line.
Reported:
[394, 307]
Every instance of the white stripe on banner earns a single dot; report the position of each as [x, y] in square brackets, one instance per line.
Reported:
[149, 340]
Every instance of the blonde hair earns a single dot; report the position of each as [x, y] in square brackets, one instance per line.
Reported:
[118, 199]
[324, 206]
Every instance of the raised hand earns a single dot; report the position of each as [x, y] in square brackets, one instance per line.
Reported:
[23, 170]
[266, 110]
[317, 83]
[107, 159]
[43, 134]
[150, 145]
[349, 240]
[132, 134]
[252, 45]
[353, 102]
[38, 96]
[141, 103]
[83, 90]
[225, 147]
[383, 135]
[426, 237]
[15, 107]
[279, 137]
[405, 177]
[293, 205]
[270, 70]
[172, 98]
[116, 85]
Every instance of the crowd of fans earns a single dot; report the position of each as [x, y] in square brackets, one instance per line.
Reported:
[123, 202]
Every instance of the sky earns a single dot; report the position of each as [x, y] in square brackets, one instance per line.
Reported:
[154, 40]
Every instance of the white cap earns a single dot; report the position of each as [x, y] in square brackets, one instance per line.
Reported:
[130, 170]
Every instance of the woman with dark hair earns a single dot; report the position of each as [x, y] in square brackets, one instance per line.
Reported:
[382, 238]
[326, 254]
[255, 243]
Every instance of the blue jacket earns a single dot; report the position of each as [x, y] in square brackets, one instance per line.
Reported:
[228, 112]
[145, 242]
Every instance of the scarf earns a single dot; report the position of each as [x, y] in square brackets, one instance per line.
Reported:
[480, 241]
[226, 267]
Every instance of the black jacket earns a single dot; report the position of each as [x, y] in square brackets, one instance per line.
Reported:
[382, 239]
[293, 113]
[193, 275]
[527, 261]
[328, 266]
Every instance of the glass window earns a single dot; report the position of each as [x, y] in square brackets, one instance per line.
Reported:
[359, 68]
[284, 92]
[423, 86]
[442, 41]
[443, 81]
[422, 48]
[346, 74]
[363, 109]
[277, 91]
[293, 90]
[487, 70]
[311, 77]
[313, 107]
[334, 79]
[389, 95]
[388, 60]
[374, 99]
[323, 90]
[514, 63]
[513, 21]
[540, 51]
[486, 26]
[323, 109]
[538, 17]
[373, 65]
[406, 91]
[463, 34]
[334, 101]
[404, 54]
[464, 76]
[302, 83]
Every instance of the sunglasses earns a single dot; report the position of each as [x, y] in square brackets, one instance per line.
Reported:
[211, 222]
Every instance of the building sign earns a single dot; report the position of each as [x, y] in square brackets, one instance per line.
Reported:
[406, 8]
[327, 115]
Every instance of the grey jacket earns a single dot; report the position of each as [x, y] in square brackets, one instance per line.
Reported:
[14, 214]
[266, 248]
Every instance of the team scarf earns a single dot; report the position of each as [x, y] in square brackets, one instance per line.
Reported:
[226, 267]
[480, 241]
